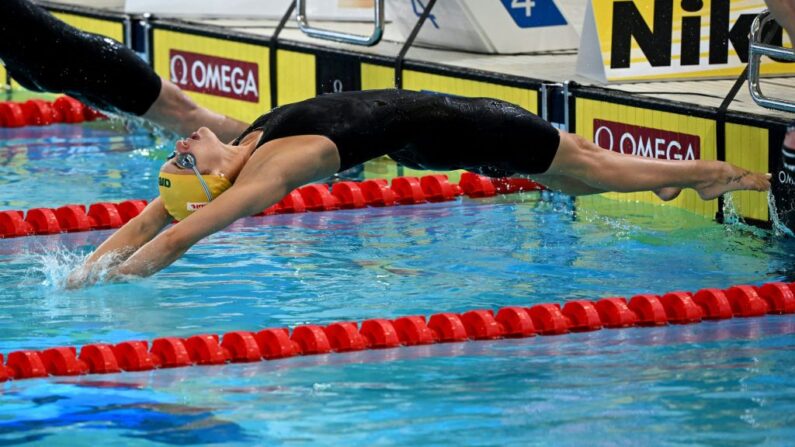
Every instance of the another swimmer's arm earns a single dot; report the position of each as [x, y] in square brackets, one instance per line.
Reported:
[123, 243]
[276, 168]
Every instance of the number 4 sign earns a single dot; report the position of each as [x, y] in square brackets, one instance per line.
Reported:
[526, 4]
[504, 26]
[534, 13]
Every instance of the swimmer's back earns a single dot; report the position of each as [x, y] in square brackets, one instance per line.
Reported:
[421, 130]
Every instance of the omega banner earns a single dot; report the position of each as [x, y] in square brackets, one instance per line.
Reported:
[634, 40]
[227, 76]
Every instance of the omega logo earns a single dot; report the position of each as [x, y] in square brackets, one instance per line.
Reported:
[214, 75]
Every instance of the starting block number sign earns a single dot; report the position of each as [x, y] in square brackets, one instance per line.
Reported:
[636, 40]
[534, 13]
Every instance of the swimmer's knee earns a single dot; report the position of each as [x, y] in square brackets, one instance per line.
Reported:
[575, 156]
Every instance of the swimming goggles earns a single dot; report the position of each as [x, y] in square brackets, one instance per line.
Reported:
[188, 161]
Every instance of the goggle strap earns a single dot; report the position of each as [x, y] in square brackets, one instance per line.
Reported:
[204, 185]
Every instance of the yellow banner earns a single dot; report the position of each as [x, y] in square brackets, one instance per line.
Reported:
[109, 28]
[630, 40]
[673, 136]
[652, 134]
[223, 75]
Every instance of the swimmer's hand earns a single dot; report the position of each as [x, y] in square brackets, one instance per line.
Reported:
[83, 276]
[77, 279]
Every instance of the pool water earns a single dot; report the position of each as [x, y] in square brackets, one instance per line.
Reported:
[724, 383]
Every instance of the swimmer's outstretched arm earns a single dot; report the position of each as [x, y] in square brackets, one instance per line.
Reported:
[275, 169]
[122, 244]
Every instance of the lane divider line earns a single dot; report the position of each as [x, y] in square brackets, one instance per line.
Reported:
[479, 324]
[39, 112]
[314, 197]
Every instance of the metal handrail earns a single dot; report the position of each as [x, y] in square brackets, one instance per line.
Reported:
[336, 36]
[757, 49]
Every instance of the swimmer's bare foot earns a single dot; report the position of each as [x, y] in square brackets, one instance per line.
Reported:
[732, 178]
[667, 194]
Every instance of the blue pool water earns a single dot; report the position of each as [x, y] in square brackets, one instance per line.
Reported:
[726, 383]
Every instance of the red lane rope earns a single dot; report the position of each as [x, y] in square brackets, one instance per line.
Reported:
[315, 197]
[38, 112]
[479, 324]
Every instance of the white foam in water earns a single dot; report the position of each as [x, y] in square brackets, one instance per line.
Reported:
[53, 267]
[779, 229]
[733, 220]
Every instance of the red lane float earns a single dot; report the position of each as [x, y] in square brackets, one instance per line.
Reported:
[314, 197]
[100, 358]
[548, 319]
[408, 190]
[414, 331]
[582, 316]
[437, 188]
[318, 198]
[649, 309]
[43, 221]
[746, 302]
[478, 324]
[476, 186]
[39, 112]
[481, 325]
[345, 336]
[378, 193]
[63, 361]
[130, 208]
[714, 304]
[311, 339]
[276, 344]
[207, 350]
[780, 297]
[680, 308]
[615, 313]
[516, 322]
[447, 327]
[349, 195]
[12, 224]
[170, 352]
[242, 346]
[380, 334]
[12, 115]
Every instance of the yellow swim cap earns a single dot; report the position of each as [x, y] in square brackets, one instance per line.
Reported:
[183, 194]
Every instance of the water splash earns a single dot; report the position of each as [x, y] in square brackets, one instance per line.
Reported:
[733, 220]
[779, 229]
[52, 268]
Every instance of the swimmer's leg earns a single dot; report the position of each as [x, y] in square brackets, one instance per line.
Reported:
[610, 171]
[574, 187]
[174, 110]
[56, 57]
[565, 184]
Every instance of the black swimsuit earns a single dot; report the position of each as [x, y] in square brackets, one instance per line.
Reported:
[420, 130]
[44, 54]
